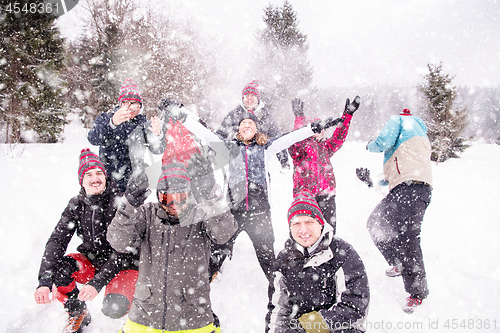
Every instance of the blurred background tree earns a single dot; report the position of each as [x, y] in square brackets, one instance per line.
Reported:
[165, 57]
[31, 91]
[43, 77]
[444, 121]
[280, 64]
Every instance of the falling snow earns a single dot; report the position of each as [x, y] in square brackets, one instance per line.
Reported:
[459, 240]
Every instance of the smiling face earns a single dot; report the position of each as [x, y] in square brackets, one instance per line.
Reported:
[250, 101]
[247, 129]
[305, 230]
[94, 181]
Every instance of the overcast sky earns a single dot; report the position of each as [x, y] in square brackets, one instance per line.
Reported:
[358, 42]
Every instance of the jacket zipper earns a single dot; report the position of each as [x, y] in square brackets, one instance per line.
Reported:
[246, 176]
[93, 229]
[165, 282]
[397, 165]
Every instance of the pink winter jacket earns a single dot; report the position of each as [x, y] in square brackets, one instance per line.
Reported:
[313, 170]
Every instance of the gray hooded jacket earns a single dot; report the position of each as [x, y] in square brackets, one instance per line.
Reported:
[172, 291]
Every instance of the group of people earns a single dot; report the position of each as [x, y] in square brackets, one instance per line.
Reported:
[157, 259]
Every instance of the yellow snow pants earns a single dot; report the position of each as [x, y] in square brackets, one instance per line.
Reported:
[131, 327]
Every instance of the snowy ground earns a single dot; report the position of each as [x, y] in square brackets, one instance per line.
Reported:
[459, 240]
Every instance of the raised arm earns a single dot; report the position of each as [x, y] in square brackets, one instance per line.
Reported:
[338, 138]
[126, 231]
[387, 138]
[286, 140]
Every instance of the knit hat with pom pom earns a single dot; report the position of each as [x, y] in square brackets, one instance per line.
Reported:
[305, 204]
[174, 178]
[129, 92]
[88, 160]
[252, 88]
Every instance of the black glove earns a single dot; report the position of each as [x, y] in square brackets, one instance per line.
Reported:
[319, 125]
[350, 108]
[202, 178]
[172, 109]
[167, 104]
[137, 190]
[297, 107]
[364, 175]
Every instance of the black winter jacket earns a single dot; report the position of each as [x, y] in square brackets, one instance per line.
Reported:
[89, 217]
[331, 280]
[122, 149]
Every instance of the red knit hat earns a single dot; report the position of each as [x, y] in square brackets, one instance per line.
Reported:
[305, 204]
[252, 88]
[88, 160]
[405, 112]
[129, 91]
[174, 178]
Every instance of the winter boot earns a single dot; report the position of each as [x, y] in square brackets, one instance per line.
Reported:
[393, 271]
[411, 304]
[78, 316]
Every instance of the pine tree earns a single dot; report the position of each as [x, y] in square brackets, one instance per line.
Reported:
[31, 91]
[483, 104]
[163, 56]
[103, 56]
[281, 64]
[78, 76]
[445, 123]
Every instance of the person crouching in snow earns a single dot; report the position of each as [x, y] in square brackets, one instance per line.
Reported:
[173, 238]
[96, 264]
[320, 282]
[312, 168]
[249, 155]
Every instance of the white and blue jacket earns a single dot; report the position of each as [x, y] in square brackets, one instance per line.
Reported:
[407, 150]
[248, 164]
